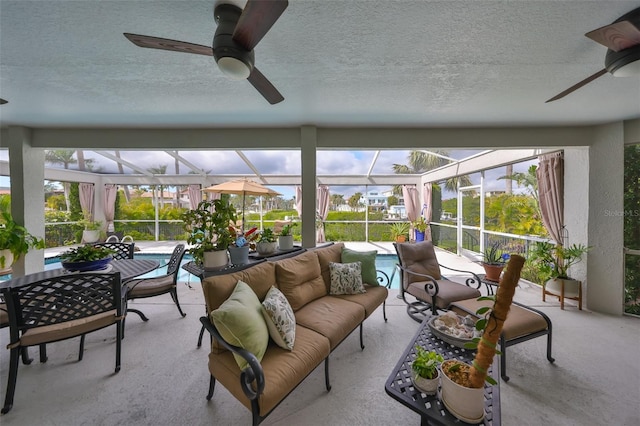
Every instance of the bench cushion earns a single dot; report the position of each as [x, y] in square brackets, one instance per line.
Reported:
[283, 369]
[375, 295]
[331, 316]
[520, 321]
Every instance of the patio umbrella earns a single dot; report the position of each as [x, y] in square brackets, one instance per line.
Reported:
[242, 187]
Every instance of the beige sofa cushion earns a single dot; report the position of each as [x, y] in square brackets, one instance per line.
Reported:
[331, 316]
[299, 279]
[375, 295]
[520, 321]
[326, 255]
[283, 369]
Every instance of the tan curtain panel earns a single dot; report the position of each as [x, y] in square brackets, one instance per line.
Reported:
[427, 209]
[410, 195]
[323, 210]
[299, 200]
[86, 191]
[550, 174]
[110, 193]
[195, 195]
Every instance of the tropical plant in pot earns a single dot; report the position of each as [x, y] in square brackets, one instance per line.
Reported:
[425, 370]
[91, 229]
[463, 384]
[553, 262]
[399, 231]
[493, 261]
[285, 239]
[86, 258]
[239, 249]
[420, 227]
[15, 241]
[267, 243]
[208, 231]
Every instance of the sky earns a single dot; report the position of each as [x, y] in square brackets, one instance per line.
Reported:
[280, 162]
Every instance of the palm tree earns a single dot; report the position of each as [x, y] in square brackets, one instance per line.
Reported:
[529, 181]
[336, 200]
[64, 157]
[421, 162]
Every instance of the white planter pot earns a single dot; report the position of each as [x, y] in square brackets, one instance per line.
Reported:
[466, 404]
[8, 260]
[571, 287]
[215, 259]
[90, 236]
[285, 242]
[428, 386]
[266, 248]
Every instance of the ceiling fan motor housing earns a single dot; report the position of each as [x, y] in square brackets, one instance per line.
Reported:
[626, 62]
[232, 58]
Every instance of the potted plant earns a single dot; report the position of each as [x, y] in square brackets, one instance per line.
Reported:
[425, 370]
[266, 242]
[552, 262]
[15, 241]
[86, 258]
[208, 229]
[399, 231]
[493, 262]
[239, 249]
[91, 229]
[419, 227]
[285, 239]
[463, 384]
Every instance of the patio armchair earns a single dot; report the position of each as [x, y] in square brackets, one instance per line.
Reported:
[420, 277]
[120, 250]
[59, 308]
[156, 286]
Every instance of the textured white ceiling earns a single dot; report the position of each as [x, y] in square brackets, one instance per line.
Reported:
[348, 62]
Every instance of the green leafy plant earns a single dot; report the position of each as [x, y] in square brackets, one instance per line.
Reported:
[90, 225]
[553, 261]
[85, 253]
[287, 229]
[267, 236]
[426, 363]
[494, 255]
[208, 226]
[399, 229]
[420, 224]
[16, 238]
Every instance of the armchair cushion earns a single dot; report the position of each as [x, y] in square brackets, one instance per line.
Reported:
[368, 260]
[419, 258]
[448, 292]
[239, 321]
[149, 286]
[279, 317]
[346, 278]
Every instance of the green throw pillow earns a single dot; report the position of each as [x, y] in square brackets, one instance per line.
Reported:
[368, 261]
[240, 322]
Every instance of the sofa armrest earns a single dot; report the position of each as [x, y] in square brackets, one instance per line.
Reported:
[253, 373]
[383, 278]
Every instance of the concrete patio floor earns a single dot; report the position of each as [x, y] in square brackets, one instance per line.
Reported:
[164, 378]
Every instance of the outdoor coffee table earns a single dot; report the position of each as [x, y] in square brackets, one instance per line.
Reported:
[432, 411]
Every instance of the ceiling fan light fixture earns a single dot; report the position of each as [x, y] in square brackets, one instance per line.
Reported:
[234, 68]
[630, 70]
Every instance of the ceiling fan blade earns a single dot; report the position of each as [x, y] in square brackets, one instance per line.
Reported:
[166, 44]
[578, 85]
[257, 18]
[264, 86]
[2, 101]
[617, 36]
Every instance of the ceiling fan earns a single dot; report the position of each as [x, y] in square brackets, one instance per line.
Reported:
[622, 37]
[2, 102]
[238, 33]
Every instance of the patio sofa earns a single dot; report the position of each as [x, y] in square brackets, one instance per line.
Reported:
[261, 379]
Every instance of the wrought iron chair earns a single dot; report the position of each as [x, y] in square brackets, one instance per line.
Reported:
[120, 250]
[155, 286]
[59, 308]
[420, 276]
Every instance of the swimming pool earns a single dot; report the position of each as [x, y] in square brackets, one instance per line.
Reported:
[384, 262]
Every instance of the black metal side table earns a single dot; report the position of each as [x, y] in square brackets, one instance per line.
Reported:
[432, 411]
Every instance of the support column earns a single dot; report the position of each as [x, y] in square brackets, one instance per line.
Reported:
[26, 168]
[308, 143]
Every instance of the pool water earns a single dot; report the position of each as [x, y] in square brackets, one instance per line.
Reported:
[384, 262]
